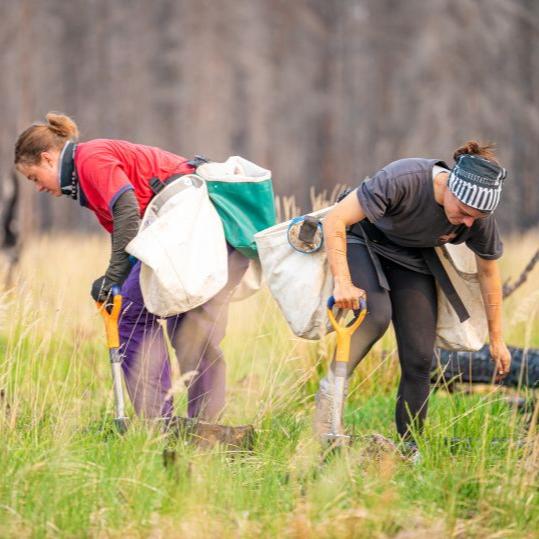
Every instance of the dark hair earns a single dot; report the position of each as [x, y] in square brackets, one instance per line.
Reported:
[42, 137]
[486, 151]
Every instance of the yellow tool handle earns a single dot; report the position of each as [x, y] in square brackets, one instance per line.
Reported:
[111, 320]
[344, 333]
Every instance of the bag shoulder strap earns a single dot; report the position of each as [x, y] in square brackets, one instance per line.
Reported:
[437, 269]
[198, 160]
[172, 190]
[156, 185]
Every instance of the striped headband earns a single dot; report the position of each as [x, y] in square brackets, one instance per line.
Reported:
[477, 182]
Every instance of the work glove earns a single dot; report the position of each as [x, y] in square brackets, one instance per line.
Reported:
[101, 289]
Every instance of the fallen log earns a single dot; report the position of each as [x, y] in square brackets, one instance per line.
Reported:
[10, 244]
[509, 287]
[449, 368]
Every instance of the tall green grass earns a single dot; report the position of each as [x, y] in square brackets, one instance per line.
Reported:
[65, 472]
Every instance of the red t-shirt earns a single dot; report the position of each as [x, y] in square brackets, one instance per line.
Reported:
[107, 168]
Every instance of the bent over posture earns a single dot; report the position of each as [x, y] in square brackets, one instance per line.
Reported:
[112, 179]
[379, 242]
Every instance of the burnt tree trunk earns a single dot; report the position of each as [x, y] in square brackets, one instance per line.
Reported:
[10, 243]
[478, 368]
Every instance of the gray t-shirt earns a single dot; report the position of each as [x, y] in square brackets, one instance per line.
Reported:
[399, 201]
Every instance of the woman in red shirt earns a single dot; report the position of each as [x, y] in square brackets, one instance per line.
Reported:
[111, 178]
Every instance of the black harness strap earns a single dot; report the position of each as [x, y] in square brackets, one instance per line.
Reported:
[371, 233]
[198, 160]
[157, 185]
[436, 268]
[382, 279]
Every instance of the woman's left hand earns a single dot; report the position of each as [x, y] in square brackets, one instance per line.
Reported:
[501, 357]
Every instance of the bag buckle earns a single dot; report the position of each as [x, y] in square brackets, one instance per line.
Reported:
[156, 185]
[198, 160]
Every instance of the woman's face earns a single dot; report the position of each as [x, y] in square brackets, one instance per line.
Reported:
[45, 174]
[458, 213]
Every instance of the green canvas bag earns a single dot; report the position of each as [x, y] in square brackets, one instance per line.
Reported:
[242, 193]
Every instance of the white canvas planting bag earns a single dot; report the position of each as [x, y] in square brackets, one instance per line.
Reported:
[182, 247]
[461, 268]
[242, 193]
[300, 282]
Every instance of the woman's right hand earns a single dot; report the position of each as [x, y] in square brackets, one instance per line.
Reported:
[347, 296]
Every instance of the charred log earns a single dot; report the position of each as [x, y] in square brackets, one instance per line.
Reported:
[449, 368]
[10, 244]
[509, 288]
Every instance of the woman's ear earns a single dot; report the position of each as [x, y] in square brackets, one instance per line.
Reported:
[47, 158]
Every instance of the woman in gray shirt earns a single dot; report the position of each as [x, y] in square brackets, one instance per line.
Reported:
[379, 243]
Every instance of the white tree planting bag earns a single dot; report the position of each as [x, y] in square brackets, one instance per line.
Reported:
[461, 267]
[300, 282]
[182, 247]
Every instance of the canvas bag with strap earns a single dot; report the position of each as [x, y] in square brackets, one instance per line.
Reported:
[242, 193]
[460, 265]
[182, 247]
[301, 283]
[243, 196]
[461, 320]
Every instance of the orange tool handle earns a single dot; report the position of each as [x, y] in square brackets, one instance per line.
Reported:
[344, 333]
[111, 318]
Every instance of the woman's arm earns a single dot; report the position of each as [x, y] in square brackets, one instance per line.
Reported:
[491, 290]
[346, 213]
[126, 220]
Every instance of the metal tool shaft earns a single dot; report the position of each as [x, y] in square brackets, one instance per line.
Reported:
[342, 357]
[338, 398]
[115, 363]
[111, 314]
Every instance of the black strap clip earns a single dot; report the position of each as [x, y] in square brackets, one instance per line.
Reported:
[156, 185]
[198, 160]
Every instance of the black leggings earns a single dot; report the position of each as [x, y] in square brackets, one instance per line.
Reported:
[411, 305]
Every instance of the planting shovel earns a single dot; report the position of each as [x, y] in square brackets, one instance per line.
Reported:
[110, 314]
[202, 433]
[342, 356]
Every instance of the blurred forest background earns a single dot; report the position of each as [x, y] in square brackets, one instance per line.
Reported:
[320, 91]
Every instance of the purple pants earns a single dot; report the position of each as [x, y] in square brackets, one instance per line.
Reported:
[195, 335]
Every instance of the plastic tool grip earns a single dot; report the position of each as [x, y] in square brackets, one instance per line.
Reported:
[362, 303]
[111, 318]
[344, 333]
